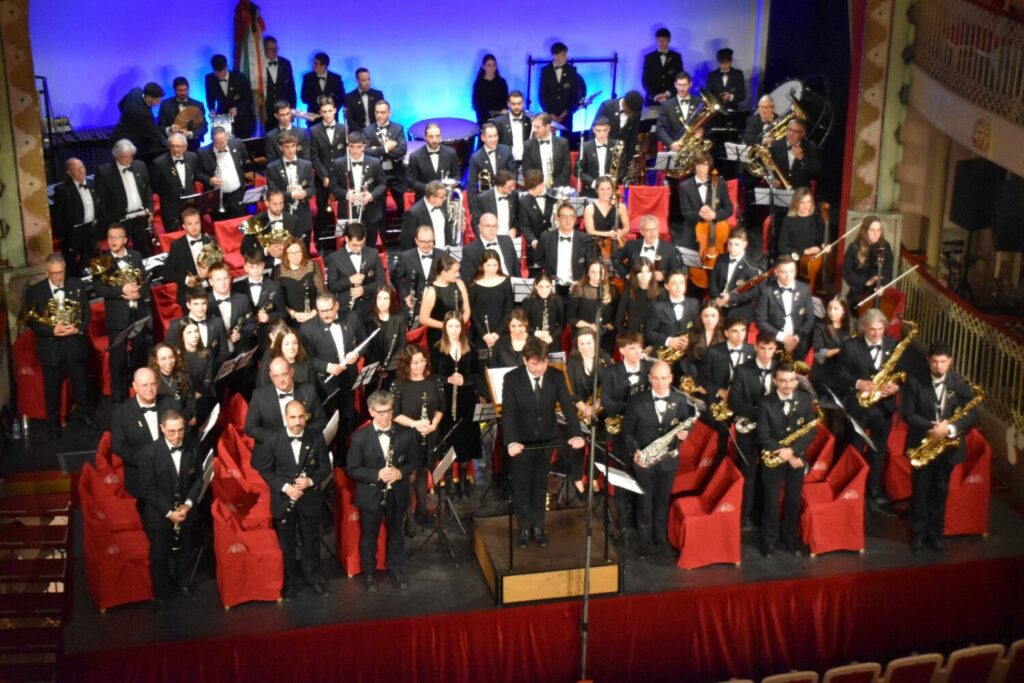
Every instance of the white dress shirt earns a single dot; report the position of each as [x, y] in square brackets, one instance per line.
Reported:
[88, 208]
[131, 189]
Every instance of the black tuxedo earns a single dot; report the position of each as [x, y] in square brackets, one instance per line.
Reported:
[114, 200]
[745, 393]
[420, 169]
[560, 161]
[239, 97]
[392, 162]
[168, 111]
[660, 78]
[803, 171]
[481, 161]
[67, 217]
[582, 253]
[356, 116]
[311, 89]
[487, 202]
[504, 123]
[281, 89]
[588, 167]
[277, 179]
[664, 259]
[611, 110]
[770, 314]
[180, 264]
[340, 269]
[719, 283]
[419, 215]
[557, 96]
[736, 86]
[289, 222]
[662, 322]
[323, 151]
[208, 168]
[130, 433]
[241, 306]
[265, 419]
[718, 369]
[137, 124]
[273, 147]
[473, 254]
[164, 487]
[533, 221]
[216, 335]
[166, 177]
[670, 126]
[270, 298]
[119, 314]
[755, 128]
[690, 202]
[373, 181]
[411, 273]
[616, 389]
[321, 349]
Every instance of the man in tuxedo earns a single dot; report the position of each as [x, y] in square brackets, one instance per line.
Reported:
[320, 82]
[285, 122]
[221, 165]
[295, 463]
[529, 396]
[785, 309]
[171, 106]
[928, 406]
[326, 144]
[124, 190]
[546, 153]
[280, 80]
[649, 416]
[535, 212]
[276, 219]
[359, 185]
[294, 177]
[731, 270]
[62, 348]
[354, 273]
[780, 413]
[171, 478]
[716, 373]
[76, 206]
[514, 126]
[266, 416]
[136, 122]
[675, 112]
[264, 294]
[174, 174]
[234, 310]
[860, 358]
[212, 332]
[381, 459]
[124, 305]
[473, 254]
[134, 424]
[565, 253]
[433, 161]
[428, 211]
[751, 382]
[500, 200]
[660, 68]
[361, 103]
[385, 140]
[182, 266]
[726, 83]
[796, 157]
[487, 161]
[670, 318]
[561, 87]
[411, 272]
[598, 156]
[650, 246]
[760, 122]
[623, 116]
[699, 201]
[229, 92]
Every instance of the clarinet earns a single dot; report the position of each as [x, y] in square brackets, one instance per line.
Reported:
[388, 459]
[487, 326]
[307, 463]
[176, 543]
[424, 416]
[415, 302]
[455, 390]
[387, 359]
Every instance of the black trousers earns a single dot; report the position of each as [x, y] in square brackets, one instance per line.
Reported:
[773, 481]
[299, 538]
[747, 464]
[396, 187]
[877, 421]
[393, 516]
[325, 221]
[168, 568]
[124, 360]
[652, 507]
[928, 499]
[78, 246]
[140, 242]
[53, 380]
[529, 473]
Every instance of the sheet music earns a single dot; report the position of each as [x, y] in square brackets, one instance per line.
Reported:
[619, 478]
[521, 288]
[691, 259]
[763, 196]
[736, 151]
[495, 380]
[211, 421]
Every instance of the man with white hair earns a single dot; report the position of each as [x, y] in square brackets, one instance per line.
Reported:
[124, 189]
[174, 174]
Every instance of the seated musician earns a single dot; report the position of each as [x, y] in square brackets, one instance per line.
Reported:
[827, 340]
[355, 273]
[670, 318]
[606, 218]
[597, 158]
[212, 332]
[760, 122]
[547, 153]
[650, 416]
[124, 190]
[536, 212]
[785, 308]
[586, 362]
[491, 157]
[381, 460]
[284, 116]
[508, 350]
[934, 410]
[593, 294]
[412, 271]
[502, 201]
[194, 130]
[545, 312]
[868, 263]
[675, 112]
[650, 246]
[183, 266]
[802, 232]
[781, 413]
[174, 174]
[432, 161]
[702, 200]
[430, 210]
[795, 156]
[221, 165]
[730, 272]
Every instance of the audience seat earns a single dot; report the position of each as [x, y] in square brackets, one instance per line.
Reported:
[793, 677]
[912, 669]
[1010, 667]
[970, 664]
[854, 673]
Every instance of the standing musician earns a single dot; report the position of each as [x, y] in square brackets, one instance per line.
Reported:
[229, 92]
[76, 207]
[721, 360]
[547, 153]
[276, 219]
[361, 103]
[598, 158]
[123, 188]
[731, 270]
[754, 132]
[285, 122]
[669, 319]
[695, 199]
[675, 112]
[501, 201]
[432, 161]
[429, 211]
[726, 83]
[561, 88]
[170, 476]
[508, 350]
[294, 177]
[182, 266]
[294, 464]
[355, 273]
[650, 415]
[796, 157]
[61, 345]
[320, 82]
[586, 363]
[211, 328]
[928, 407]
[868, 263]
[785, 309]
[529, 397]
[565, 253]
[234, 310]
[487, 161]
[385, 140]
[623, 115]
[660, 68]
[264, 294]
[640, 289]
[174, 174]
[221, 166]
[535, 212]
[280, 80]
[490, 90]
[123, 306]
[267, 416]
[502, 245]
[381, 459]
[172, 106]
[136, 121]
[411, 273]
[135, 424]
[327, 140]
[386, 316]
[359, 185]
[782, 412]
[514, 126]
[545, 312]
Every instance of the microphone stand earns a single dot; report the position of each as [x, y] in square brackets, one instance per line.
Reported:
[770, 177]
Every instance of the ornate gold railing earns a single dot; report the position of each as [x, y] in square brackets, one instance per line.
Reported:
[976, 52]
[985, 353]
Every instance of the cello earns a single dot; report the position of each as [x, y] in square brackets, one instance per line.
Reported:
[810, 266]
[709, 250]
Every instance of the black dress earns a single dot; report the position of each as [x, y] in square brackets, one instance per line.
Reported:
[466, 438]
[299, 288]
[491, 306]
[631, 312]
[535, 306]
[604, 222]
[186, 398]
[489, 96]
[199, 365]
[856, 275]
[448, 298]
[823, 372]
[582, 382]
[506, 355]
[583, 305]
[409, 402]
[389, 342]
[800, 232]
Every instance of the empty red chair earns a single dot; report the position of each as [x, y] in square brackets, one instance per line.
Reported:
[913, 669]
[165, 308]
[696, 459]
[733, 186]
[970, 488]
[234, 413]
[854, 673]
[249, 562]
[706, 527]
[347, 530]
[167, 237]
[418, 337]
[641, 200]
[971, 664]
[100, 343]
[248, 493]
[820, 455]
[897, 471]
[1011, 667]
[229, 239]
[29, 379]
[833, 511]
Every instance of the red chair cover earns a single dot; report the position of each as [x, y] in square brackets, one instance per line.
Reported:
[239, 484]
[249, 563]
[100, 342]
[346, 527]
[970, 488]
[235, 413]
[820, 454]
[733, 187]
[167, 237]
[706, 527]
[229, 239]
[833, 513]
[897, 472]
[165, 308]
[418, 336]
[29, 379]
[696, 459]
[653, 200]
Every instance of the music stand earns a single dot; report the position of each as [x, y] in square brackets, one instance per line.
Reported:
[203, 202]
[666, 161]
[443, 542]
[521, 288]
[131, 331]
[239, 362]
[690, 258]
[211, 422]
[773, 199]
[207, 470]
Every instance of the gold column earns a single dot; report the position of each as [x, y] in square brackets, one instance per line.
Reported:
[935, 212]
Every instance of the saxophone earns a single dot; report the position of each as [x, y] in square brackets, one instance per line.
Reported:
[661, 448]
[771, 459]
[615, 163]
[670, 355]
[931, 447]
[887, 373]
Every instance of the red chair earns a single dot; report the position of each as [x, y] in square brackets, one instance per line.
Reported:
[100, 342]
[820, 455]
[854, 673]
[643, 200]
[970, 490]
[251, 499]
[833, 512]
[347, 530]
[29, 380]
[913, 669]
[234, 414]
[229, 239]
[696, 459]
[249, 562]
[574, 157]
[167, 237]
[971, 664]
[1011, 667]
[733, 187]
[897, 471]
[165, 308]
[706, 527]
[418, 337]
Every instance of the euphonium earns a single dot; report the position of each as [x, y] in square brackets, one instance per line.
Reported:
[932, 447]
[691, 145]
[888, 373]
[771, 459]
[760, 158]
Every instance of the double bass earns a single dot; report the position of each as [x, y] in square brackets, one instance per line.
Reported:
[711, 239]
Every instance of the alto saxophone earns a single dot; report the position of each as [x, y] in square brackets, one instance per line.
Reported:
[771, 459]
[932, 447]
[661, 448]
[887, 373]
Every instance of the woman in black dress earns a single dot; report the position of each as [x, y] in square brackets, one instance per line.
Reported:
[545, 312]
[584, 304]
[580, 370]
[288, 345]
[172, 380]
[199, 366]
[447, 293]
[707, 332]
[491, 299]
[419, 405]
[826, 339]
[490, 91]
[508, 351]
[868, 263]
[387, 345]
[301, 281]
[802, 232]
[274, 330]
[600, 219]
[458, 366]
[641, 289]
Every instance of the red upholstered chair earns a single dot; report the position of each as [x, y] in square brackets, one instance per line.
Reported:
[249, 562]
[752, 333]
[238, 484]
[418, 336]
[346, 528]
[970, 489]
[1011, 667]
[229, 239]
[574, 157]
[696, 459]
[820, 455]
[897, 471]
[100, 342]
[733, 186]
[31, 399]
[706, 527]
[234, 414]
[165, 308]
[167, 237]
[833, 509]
[971, 664]
[854, 673]
[653, 200]
[913, 669]
[793, 677]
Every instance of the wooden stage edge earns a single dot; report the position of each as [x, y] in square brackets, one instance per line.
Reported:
[550, 573]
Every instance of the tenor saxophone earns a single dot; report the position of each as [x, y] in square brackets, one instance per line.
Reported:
[771, 459]
[887, 373]
[932, 447]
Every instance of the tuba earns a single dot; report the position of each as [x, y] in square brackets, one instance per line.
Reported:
[209, 254]
[691, 145]
[888, 373]
[456, 216]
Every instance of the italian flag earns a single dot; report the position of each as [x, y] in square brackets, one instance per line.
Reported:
[249, 57]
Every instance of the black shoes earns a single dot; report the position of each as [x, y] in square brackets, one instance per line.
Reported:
[524, 538]
[88, 421]
[398, 580]
[935, 544]
[370, 583]
[767, 551]
[916, 546]
[318, 587]
[187, 593]
[540, 537]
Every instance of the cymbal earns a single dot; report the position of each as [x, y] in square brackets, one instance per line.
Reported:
[188, 118]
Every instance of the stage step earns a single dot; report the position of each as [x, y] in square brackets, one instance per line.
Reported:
[19, 571]
[31, 640]
[29, 671]
[45, 505]
[25, 605]
[21, 536]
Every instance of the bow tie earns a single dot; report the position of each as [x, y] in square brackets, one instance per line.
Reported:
[490, 245]
[192, 242]
[700, 185]
[222, 80]
[253, 283]
[357, 163]
[383, 432]
[558, 68]
[289, 163]
[147, 409]
[197, 322]
[176, 451]
[81, 186]
[283, 394]
[272, 63]
[939, 383]
[735, 350]
[126, 170]
[633, 374]
[648, 247]
[225, 300]
[661, 398]
[58, 289]
[435, 152]
[435, 208]
[787, 289]
[179, 161]
[565, 239]
[874, 347]
[502, 199]
[545, 142]
[763, 371]
[516, 119]
[328, 127]
[295, 438]
[787, 402]
[601, 146]
[221, 151]
[426, 256]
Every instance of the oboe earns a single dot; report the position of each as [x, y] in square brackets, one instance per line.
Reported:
[307, 463]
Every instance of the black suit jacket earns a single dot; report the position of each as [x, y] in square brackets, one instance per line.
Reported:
[356, 117]
[420, 169]
[533, 221]
[755, 128]
[311, 90]
[582, 253]
[528, 419]
[339, 270]
[112, 194]
[719, 283]
[919, 409]
[129, 435]
[481, 161]
[611, 109]
[690, 203]
[68, 210]
[736, 85]
[559, 96]
[208, 164]
[559, 159]
[392, 162]
[161, 485]
[661, 320]
[117, 313]
[321, 349]
[855, 363]
[473, 254]
[504, 124]
[239, 96]
[323, 152]
[641, 425]
[803, 170]
[365, 460]
[50, 349]
[408, 273]
[270, 298]
[374, 182]
[277, 465]
[277, 179]
[168, 111]
[770, 315]
[281, 89]
[264, 418]
[241, 306]
[415, 216]
[658, 78]
[623, 258]
[616, 389]
[487, 202]
[747, 389]
[167, 185]
[773, 424]
[137, 124]
[216, 336]
[273, 148]
[671, 119]
[716, 371]
[180, 264]
[587, 167]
